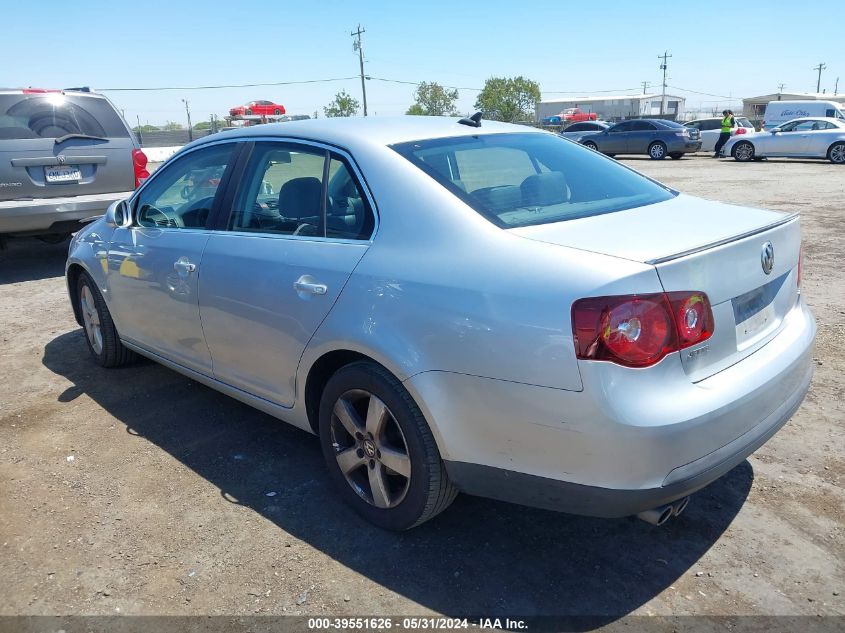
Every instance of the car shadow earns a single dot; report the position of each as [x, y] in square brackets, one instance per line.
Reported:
[480, 557]
[29, 259]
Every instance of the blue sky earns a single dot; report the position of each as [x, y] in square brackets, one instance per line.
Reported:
[724, 49]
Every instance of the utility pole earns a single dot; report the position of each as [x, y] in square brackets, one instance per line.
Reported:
[836, 87]
[645, 85]
[356, 46]
[664, 66]
[780, 90]
[138, 119]
[190, 129]
[820, 68]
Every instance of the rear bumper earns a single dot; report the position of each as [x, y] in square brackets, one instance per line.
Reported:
[632, 440]
[40, 214]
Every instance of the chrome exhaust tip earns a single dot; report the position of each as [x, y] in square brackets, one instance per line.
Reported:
[658, 515]
[679, 506]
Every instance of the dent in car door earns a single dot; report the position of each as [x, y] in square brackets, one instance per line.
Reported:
[271, 278]
[154, 265]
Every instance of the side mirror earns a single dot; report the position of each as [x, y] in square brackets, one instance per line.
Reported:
[118, 215]
[776, 130]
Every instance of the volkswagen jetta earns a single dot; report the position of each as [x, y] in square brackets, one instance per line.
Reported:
[459, 306]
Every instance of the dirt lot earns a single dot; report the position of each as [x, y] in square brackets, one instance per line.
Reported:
[138, 491]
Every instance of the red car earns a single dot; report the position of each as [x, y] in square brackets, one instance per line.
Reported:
[262, 108]
[576, 114]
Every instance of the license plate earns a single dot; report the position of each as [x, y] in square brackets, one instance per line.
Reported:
[755, 311]
[62, 173]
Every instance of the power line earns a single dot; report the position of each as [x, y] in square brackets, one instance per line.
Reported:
[696, 92]
[276, 83]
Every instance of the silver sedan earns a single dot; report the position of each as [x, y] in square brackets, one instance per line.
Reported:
[821, 137]
[459, 306]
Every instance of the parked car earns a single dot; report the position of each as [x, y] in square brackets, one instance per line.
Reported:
[802, 138]
[711, 128]
[577, 129]
[570, 115]
[490, 309]
[259, 108]
[65, 155]
[779, 112]
[656, 137]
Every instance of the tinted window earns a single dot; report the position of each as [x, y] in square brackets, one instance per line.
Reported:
[348, 214]
[695, 125]
[52, 115]
[666, 123]
[625, 126]
[182, 193]
[281, 191]
[743, 122]
[640, 126]
[522, 179]
[710, 124]
[584, 127]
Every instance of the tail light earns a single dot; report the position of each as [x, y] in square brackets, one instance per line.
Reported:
[741, 130]
[139, 162]
[640, 330]
[682, 133]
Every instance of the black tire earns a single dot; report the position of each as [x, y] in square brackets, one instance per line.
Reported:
[836, 153]
[277, 112]
[427, 491]
[611, 155]
[676, 155]
[112, 352]
[657, 150]
[743, 152]
[248, 112]
[591, 145]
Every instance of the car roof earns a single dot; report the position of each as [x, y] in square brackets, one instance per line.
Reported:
[359, 131]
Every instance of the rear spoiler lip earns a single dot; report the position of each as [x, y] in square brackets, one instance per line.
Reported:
[727, 240]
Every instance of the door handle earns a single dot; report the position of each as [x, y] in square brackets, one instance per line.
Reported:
[305, 285]
[183, 265]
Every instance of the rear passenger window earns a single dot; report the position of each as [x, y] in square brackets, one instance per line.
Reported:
[281, 191]
[348, 213]
[182, 194]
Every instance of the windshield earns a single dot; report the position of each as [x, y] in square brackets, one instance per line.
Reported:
[524, 179]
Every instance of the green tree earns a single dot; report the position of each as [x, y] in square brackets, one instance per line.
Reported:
[432, 99]
[172, 125]
[145, 128]
[344, 104]
[508, 99]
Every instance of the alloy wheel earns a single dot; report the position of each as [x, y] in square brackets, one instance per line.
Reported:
[370, 449]
[744, 152]
[657, 151]
[91, 320]
[837, 153]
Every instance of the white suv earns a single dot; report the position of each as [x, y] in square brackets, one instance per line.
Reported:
[711, 128]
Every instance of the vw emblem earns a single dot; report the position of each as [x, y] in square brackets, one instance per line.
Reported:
[61, 159]
[767, 257]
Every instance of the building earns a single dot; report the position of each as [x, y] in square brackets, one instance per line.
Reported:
[615, 107]
[755, 107]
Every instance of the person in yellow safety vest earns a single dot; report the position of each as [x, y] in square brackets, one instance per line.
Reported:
[725, 134]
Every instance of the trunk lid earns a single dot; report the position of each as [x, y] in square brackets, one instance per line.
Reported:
[45, 152]
[711, 247]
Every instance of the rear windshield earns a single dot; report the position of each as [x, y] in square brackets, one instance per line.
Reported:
[52, 115]
[523, 179]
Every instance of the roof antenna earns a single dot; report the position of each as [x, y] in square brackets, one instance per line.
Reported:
[473, 121]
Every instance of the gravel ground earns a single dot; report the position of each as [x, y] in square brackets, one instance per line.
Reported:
[138, 491]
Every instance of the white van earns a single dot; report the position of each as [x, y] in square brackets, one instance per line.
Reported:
[779, 112]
